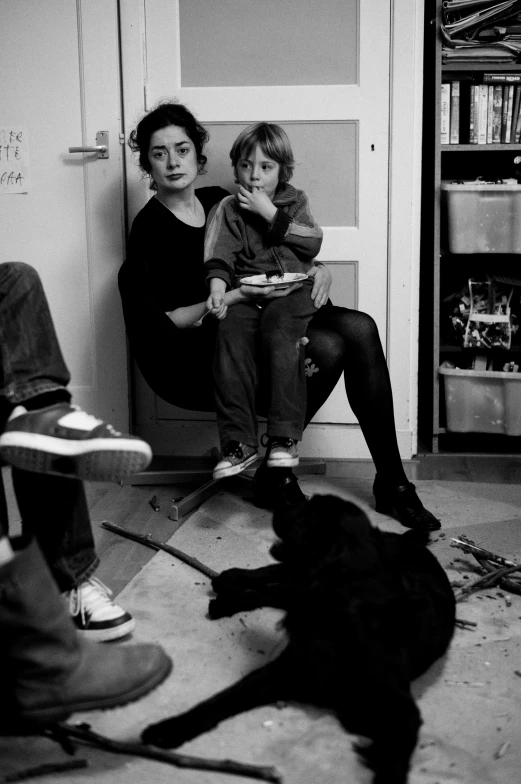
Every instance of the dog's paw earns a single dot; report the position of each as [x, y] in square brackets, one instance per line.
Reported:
[230, 581]
[217, 608]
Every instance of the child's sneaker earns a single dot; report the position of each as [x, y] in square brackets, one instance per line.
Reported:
[64, 440]
[282, 453]
[236, 457]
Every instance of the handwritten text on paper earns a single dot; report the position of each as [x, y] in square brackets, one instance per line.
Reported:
[14, 159]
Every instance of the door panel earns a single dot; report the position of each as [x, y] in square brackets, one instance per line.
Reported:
[339, 128]
[69, 226]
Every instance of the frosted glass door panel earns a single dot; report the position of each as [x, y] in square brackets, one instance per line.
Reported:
[234, 43]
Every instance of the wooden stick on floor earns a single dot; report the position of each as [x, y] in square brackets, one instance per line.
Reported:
[83, 733]
[148, 541]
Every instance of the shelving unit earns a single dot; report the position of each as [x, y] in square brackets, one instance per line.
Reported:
[442, 273]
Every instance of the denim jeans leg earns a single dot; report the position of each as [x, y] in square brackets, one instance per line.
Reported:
[236, 374]
[283, 324]
[54, 510]
[31, 361]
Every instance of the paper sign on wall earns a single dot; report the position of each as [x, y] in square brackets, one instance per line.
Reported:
[14, 159]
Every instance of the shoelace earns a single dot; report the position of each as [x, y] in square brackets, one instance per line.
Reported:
[272, 441]
[285, 443]
[92, 593]
[233, 449]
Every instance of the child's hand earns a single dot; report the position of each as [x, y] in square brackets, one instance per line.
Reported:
[256, 201]
[216, 306]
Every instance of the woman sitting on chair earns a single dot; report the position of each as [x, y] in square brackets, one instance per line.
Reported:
[164, 293]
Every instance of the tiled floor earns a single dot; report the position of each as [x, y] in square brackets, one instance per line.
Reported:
[470, 702]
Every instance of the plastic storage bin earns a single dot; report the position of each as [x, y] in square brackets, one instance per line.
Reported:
[483, 218]
[485, 401]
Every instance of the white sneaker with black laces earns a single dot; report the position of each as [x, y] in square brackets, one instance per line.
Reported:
[282, 452]
[236, 457]
[95, 615]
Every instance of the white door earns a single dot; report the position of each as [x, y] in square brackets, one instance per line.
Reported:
[60, 83]
[322, 71]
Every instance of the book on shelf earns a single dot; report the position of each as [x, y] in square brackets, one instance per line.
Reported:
[454, 112]
[497, 107]
[515, 112]
[506, 120]
[516, 124]
[480, 113]
[472, 114]
[490, 112]
[502, 78]
[445, 113]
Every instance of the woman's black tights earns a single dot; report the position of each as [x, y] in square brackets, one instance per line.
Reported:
[347, 340]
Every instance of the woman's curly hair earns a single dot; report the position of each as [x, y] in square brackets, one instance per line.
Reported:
[164, 115]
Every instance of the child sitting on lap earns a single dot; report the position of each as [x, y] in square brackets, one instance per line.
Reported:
[267, 228]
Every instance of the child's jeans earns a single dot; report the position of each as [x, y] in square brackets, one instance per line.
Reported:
[260, 346]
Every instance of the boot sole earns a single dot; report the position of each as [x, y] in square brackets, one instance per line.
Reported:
[101, 461]
[44, 716]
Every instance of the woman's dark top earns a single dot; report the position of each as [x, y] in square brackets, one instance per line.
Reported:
[164, 271]
[165, 256]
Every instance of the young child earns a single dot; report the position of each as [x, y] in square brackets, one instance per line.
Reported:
[266, 228]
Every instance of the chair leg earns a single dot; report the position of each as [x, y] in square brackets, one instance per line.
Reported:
[187, 504]
[182, 507]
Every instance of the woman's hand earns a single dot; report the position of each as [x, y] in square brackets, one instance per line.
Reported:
[321, 284]
[256, 201]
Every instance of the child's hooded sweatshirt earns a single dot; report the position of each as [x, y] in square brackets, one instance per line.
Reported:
[240, 243]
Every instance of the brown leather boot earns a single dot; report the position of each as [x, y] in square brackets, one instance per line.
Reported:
[48, 671]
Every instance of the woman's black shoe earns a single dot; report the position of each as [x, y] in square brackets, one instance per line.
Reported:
[275, 487]
[402, 502]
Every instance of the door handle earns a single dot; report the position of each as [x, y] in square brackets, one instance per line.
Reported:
[101, 147]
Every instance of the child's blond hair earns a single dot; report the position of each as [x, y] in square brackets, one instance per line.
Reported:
[274, 143]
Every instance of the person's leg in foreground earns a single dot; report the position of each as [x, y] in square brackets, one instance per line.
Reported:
[40, 431]
[47, 671]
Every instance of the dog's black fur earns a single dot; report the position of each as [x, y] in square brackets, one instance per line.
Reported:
[366, 613]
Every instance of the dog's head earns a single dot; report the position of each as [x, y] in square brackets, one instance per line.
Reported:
[319, 527]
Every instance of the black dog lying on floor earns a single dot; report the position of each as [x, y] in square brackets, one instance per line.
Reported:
[366, 613]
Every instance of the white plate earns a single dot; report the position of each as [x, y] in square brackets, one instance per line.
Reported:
[287, 280]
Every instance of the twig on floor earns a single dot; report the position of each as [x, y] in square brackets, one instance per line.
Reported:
[488, 561]
[46, 769]
[83, 733]
[468, 546]
[148, 541]
[463, 624]
[485, 582]
[513, 586]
